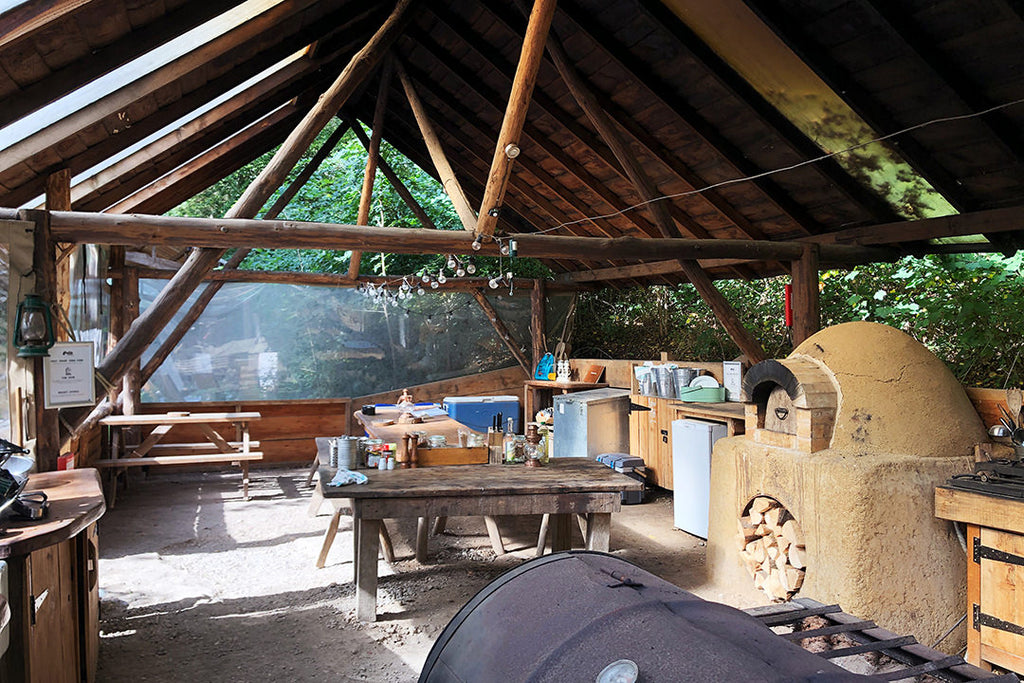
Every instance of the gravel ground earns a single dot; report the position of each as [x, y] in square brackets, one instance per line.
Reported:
[197, 584]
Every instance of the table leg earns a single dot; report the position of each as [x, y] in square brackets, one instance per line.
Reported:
[561, 532]
[582, 520]
[332, 531]
[599, 527]
[366, 569]
[542, 535]
[439, 524]
[386, 548]
[422, 525]
[245, 480]
[495, 534]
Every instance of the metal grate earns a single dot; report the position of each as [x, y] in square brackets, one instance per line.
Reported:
[916, 659]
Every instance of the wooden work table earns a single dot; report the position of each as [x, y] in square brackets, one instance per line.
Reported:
[53, 587]
[562, 488]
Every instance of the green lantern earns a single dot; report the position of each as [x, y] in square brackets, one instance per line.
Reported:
[34, 329]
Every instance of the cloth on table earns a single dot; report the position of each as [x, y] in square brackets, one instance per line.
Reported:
[344, 476]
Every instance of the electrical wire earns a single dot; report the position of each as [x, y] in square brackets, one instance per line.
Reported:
[784, 169]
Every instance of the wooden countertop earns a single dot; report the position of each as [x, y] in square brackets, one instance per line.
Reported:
[729, 410]
[555, 384]
[973, 507]
[560, 475]
[76, 501]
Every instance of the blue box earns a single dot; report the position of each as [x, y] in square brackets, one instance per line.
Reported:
[478, 412]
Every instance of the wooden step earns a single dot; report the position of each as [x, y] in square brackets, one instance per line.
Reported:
[177, 459]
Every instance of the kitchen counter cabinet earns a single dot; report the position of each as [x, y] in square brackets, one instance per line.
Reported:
[53, 589]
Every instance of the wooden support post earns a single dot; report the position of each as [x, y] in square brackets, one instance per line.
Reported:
[515, 114]
[537, 316]
[806, 305]
[648, 192]
[396, 182]
[501, 329]
[47, 435]
[58, 198]
[372, 156]
[437, 155]
[132, 381]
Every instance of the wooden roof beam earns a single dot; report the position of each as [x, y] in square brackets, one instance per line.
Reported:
[515, 115]
[108, 58]
[23, 20]
[225, 233]
[437, 154]
[372, 160]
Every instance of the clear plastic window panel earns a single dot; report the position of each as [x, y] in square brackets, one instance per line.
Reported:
[5, 281]
[279, 342]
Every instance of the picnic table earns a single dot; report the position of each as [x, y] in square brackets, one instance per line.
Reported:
[154, 451]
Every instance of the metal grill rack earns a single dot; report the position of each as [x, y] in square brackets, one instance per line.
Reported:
[914, 659]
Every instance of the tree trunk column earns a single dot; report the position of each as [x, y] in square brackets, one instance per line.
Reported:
[806, 304]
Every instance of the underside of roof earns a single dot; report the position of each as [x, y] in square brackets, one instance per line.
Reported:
[733, 109]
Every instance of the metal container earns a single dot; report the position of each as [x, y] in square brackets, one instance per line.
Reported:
[684, 376]
[568, 616]
[592, 422]
[665, 379]
[348, 451]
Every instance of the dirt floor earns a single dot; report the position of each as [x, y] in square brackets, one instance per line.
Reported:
[197, 584]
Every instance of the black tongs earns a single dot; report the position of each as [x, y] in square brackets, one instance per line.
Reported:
[7, 449]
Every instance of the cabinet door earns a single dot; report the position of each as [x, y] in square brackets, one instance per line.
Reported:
[87, 570]
[53, 615]
[1001, 600]
[663, 436]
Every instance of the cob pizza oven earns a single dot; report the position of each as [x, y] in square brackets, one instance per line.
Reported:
[829, 493]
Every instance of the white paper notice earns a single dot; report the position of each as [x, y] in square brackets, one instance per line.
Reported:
[68, 372]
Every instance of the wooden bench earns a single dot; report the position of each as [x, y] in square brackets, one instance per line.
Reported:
[242, 459]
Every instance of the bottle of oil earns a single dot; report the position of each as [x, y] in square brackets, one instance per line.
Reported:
[509, 443]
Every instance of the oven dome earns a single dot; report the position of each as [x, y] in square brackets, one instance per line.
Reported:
[894, 395]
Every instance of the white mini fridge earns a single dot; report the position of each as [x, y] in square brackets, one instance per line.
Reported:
[692, 442]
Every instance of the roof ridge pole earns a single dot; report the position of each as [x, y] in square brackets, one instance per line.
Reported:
[201, 261]
[372, 157]
[648, 192]
[515, 114]
[444, 169]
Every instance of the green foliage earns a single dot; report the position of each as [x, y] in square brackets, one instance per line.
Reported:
[965, 309]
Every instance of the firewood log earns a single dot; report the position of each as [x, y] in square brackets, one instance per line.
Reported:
[762, 505]
[797, 556]
[791, 530]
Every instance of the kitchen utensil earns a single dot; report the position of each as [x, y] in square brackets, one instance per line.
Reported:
[7, 449]
[31, 505]
[999, 431]
[1009, 418]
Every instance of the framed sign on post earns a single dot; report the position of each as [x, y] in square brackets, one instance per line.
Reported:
[68, 375]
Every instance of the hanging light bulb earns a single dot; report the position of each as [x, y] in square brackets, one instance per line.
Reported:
[421, 291]
[452, 263]
[494, 282]
[441, 278]
[477, 244]
[425, 278]
[433, 283]
[470, 267]
[504, 249]
[405, 285]
[460, 271]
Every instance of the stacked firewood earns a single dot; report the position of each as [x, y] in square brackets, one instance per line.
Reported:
[772, 548]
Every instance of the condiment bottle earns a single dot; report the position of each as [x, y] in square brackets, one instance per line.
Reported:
[509, 443]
